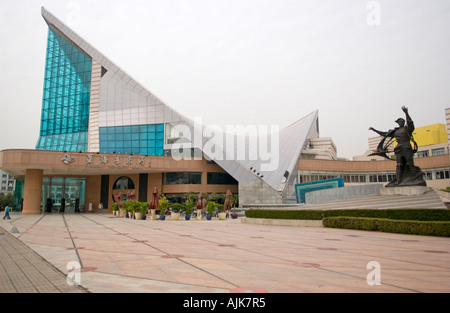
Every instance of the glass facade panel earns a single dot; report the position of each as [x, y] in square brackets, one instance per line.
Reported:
[66, 97]
[138, 139]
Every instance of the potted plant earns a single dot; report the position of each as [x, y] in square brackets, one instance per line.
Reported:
[189, 209]
[163, 206]
[115, 209]
[210, 209]
[221, 209]
[176, 208]
[143, 210]
[127, 209]
[133, 209]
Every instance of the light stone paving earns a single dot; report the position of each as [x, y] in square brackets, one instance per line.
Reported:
[130, 256]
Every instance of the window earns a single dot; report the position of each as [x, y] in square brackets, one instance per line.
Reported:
[182, 178]
[422, 154]
[443, 174]
[123, 183]
[439, 151]
[145, 139]
[221, 179]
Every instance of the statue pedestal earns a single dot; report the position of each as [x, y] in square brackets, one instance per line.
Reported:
[405, 191]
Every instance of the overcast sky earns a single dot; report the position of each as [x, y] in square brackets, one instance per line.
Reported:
[246, 62]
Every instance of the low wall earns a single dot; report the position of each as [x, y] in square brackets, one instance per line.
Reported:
[281, 222]
[342, 193]
[257, 192]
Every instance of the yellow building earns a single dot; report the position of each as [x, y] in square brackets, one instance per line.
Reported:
[430, 135]
[432, 140]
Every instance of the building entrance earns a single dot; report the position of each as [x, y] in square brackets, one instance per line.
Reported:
[63, 194]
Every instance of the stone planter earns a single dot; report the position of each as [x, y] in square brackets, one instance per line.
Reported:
[153, 214]
[199, 214]
[175, 216]
[138, 215]
[222, 216]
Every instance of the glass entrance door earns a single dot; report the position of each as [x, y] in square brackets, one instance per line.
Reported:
[63, 194]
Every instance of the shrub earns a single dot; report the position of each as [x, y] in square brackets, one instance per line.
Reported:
[429, 222]
[424, 228]
[396, 214]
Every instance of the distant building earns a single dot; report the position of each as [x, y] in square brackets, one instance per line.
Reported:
[7, 183]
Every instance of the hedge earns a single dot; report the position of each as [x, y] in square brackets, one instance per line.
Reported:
[393, 214]
[424, 228]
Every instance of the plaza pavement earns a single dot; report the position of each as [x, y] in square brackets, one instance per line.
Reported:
[131, 256]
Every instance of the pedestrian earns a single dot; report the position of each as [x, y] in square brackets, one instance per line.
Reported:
[100, 207]
[7, 213]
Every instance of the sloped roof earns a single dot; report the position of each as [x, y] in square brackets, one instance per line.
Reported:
[284, 148]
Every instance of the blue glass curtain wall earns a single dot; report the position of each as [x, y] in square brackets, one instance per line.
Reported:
[137, 139]
[66, 97]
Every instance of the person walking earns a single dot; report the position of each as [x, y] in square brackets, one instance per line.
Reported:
[7, 213]
[100, 207]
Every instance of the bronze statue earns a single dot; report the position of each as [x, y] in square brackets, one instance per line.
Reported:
[407, 174]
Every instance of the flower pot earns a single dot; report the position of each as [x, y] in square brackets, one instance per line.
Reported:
[234, 216]
[138, 215]
[162, 217]
[222, 216]
[208, 217]
[175, 216]
[143, 217]
[187, 217]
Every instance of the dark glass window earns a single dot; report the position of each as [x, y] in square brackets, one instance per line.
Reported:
[182, 178]
[122, 183]
[221, 179]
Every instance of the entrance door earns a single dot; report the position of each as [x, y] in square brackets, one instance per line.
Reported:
[63, 194]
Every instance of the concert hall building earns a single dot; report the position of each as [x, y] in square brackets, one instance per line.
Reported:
[102, 135]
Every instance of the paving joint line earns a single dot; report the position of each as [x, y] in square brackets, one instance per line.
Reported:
[162, 251]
